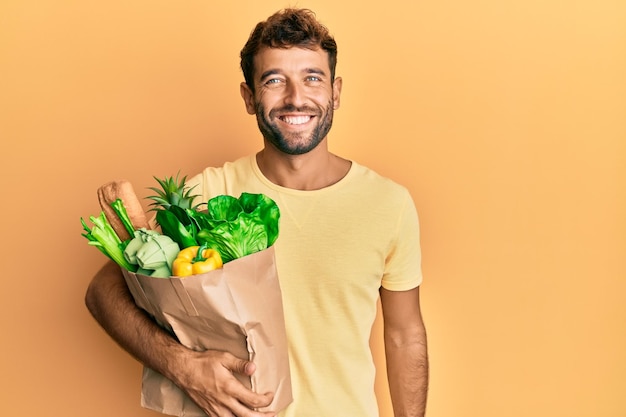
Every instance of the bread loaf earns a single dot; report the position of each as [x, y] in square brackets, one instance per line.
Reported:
[123, 190]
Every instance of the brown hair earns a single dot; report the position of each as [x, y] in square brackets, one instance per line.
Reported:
[285, 29]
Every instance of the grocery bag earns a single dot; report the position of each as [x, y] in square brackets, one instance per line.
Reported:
[237, 309]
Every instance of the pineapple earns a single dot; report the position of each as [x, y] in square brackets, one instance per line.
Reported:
[172, 193]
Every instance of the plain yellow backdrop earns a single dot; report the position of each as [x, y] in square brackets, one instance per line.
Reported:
[505, 119]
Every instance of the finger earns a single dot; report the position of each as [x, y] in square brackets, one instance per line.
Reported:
[240, 410]
[240, 366]
[245, 396]
[254, 400]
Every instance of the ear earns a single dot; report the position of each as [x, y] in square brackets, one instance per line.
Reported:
[248, 97]
[337, 92]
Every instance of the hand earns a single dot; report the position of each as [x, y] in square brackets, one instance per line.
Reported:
[207, 377]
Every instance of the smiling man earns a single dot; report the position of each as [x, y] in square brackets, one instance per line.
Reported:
[293, 99]
[349, 237]
[293, 92]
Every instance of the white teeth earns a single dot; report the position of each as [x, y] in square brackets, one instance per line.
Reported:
[296, 120]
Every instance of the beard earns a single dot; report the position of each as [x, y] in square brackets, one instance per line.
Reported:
[292, 143]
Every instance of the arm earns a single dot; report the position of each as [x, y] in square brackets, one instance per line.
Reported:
[205, 376]
[405, 351]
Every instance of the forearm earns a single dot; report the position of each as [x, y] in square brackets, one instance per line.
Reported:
[111, 304]
[407, 370]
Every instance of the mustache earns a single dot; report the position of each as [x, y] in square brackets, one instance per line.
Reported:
[290, 108]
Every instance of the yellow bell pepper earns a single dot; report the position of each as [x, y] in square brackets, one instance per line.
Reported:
[196, 260]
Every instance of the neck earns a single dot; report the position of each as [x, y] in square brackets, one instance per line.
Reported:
[314, 170]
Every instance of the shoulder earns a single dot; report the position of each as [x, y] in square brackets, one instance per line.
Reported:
[216, 180]
[373, 183]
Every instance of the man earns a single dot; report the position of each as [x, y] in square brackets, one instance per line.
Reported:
[348, 236]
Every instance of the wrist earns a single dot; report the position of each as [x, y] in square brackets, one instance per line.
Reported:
[170, 358]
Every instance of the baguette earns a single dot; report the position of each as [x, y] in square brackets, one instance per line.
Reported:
[123, 190]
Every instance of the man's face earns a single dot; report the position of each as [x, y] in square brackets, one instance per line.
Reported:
[294, 97]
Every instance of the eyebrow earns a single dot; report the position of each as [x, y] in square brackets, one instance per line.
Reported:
[313, 70]
[268, 73]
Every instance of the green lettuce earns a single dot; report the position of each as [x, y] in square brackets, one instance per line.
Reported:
[236, 227]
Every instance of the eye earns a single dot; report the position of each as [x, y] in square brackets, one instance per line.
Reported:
[273, 81]
[313, 78]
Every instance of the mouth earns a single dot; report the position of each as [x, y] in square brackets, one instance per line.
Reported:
[295, 120]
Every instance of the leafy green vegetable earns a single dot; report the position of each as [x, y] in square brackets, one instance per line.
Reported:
[266, 210]
[235, 227]
[171, 226]
[224, 207]
[237, 238]
[103, 236]
[238, 227]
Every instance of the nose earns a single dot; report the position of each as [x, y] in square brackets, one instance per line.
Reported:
[295, 94]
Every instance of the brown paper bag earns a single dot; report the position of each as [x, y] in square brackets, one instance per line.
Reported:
[237, 309]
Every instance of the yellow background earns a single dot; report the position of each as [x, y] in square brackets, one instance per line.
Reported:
[505, 119]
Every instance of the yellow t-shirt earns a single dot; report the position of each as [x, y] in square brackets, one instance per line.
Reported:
[336, 247]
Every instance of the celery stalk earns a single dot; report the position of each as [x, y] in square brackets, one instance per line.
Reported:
[120, 210]
[102, 236]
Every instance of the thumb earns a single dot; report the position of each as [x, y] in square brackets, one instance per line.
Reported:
[243, 367]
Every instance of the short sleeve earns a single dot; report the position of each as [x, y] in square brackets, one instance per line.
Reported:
[403, 266]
